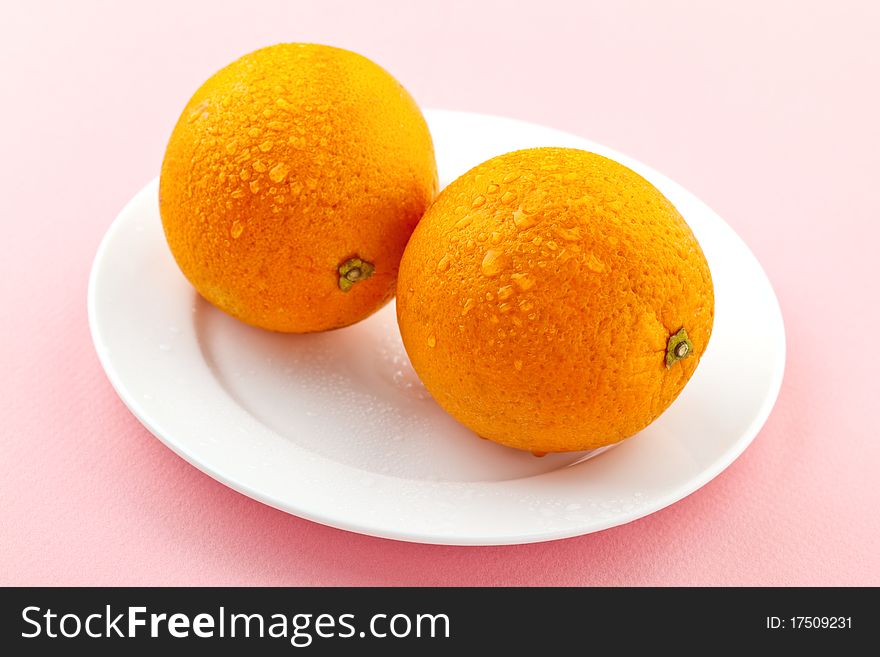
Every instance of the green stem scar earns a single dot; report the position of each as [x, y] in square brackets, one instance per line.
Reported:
[678, 348]
[353, 270]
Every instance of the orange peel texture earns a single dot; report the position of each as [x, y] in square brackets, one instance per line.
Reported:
[542, 299]
[284, 168]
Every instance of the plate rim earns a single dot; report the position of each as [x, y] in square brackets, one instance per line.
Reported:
[693, 484]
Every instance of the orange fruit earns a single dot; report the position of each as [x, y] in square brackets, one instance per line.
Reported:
[553, 300]
[291, 184]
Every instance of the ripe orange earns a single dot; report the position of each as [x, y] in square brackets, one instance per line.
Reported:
[553, 300]
[291, 184]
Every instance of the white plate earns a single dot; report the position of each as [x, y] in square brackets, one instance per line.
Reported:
[337, 428]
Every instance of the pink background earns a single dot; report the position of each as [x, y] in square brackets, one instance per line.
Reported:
[768, 111]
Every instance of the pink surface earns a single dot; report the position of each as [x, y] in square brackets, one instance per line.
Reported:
[768, 111]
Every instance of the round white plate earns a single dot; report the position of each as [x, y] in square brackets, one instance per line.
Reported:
[336, 427]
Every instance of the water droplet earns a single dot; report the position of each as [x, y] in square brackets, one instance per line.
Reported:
[537, 240]
[496, 238]
[244, 174]
[432, 341]
[231, 146]
[259, 165]
[238, 193]
[266, 146]
[551, 245]
[489, 296]
[523, 281]
[464, 222]
[508, 197]
[467, 306]
[254, 132]
[522, 220]
[494, 319]
[594, 264]
[526, 305]
[510, 177]
[517, 364]
[492, 188]
[199, 112]
[479, 201]
[493, 263]
[237, 229]
[278, 172]
[443, 265]
[470, 245]
[255, 186]
[569, 234]
[505, 292]
[505, 307]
